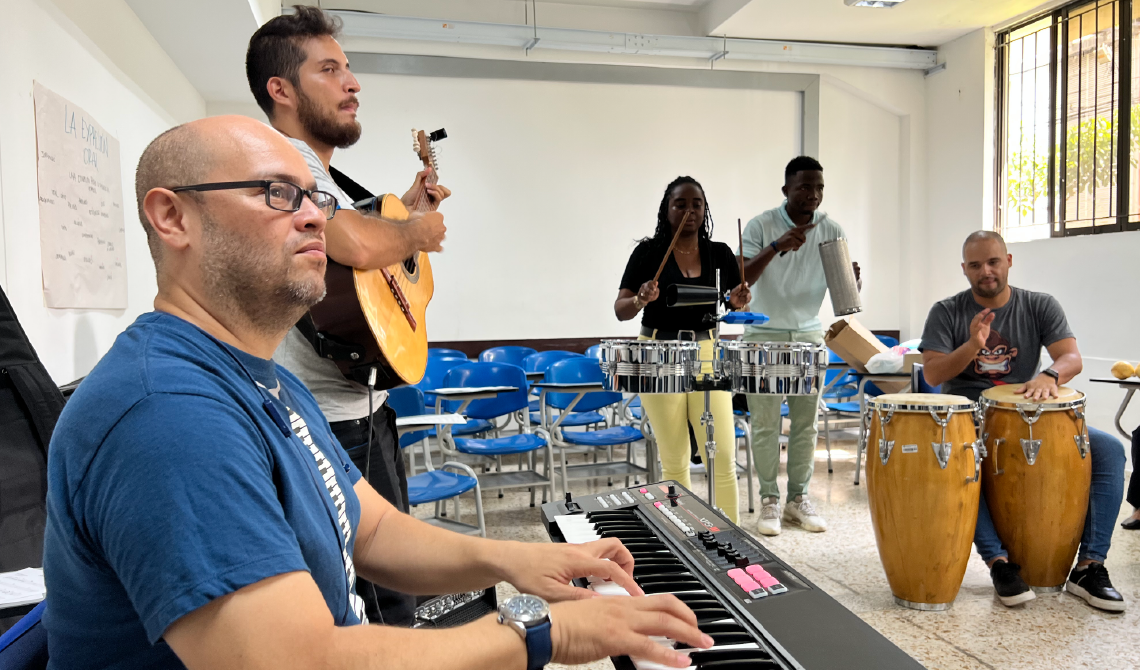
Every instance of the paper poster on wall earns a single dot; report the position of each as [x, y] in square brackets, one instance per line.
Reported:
[82, 241]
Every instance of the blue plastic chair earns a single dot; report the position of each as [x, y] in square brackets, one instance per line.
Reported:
[888, 341]
[579, 370]
[918, 381]
[594, 352]
[436, 486]
[24, 646]
[541, 362]
[437, 369]
[446, 353]
[524, 444]
[512, 355]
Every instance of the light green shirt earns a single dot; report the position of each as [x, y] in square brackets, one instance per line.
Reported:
[791, 289]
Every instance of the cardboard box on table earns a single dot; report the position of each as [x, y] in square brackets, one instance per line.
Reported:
[856, 345]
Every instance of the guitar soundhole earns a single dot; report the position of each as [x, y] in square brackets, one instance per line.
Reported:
[412, 269]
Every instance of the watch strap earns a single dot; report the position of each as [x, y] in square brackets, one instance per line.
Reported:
[774, 247]
[1052, 373]
[539, 647]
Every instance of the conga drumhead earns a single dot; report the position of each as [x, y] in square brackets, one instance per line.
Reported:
[920, 402]
[1005, 395]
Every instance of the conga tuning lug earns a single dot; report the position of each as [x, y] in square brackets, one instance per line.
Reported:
[942, 453]
[1082, 444]
[979, 450]
[1031, 448]
[885, 447]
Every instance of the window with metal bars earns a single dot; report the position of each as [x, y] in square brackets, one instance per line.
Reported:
[1068, 110]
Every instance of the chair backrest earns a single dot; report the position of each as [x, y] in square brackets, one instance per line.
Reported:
[918, 381]
[446, 353]
[512, 355]
[578, 370]
[832, 373]
[539, 362]
[888, 341]
[433, 376]
[834, 358]
[488, 374]
[24, 646]
[408, 401]
[594, 352]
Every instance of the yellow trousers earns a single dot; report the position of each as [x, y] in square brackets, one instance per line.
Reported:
[670, 414]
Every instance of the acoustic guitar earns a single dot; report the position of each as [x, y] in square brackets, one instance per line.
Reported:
[375, 318]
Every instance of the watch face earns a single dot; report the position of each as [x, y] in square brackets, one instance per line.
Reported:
[526, 608]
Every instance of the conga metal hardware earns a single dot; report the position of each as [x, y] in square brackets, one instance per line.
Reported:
[1030, 447]
[1082, 439]
[979, 451]
[942, 449]
[885, 445]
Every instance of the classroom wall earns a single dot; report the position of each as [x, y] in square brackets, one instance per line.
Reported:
[40, 41]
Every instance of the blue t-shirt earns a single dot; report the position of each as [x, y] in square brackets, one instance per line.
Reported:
[171, 482]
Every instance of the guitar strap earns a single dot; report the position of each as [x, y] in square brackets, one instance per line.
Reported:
[323, 344]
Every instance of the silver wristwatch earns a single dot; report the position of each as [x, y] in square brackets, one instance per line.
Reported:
[523, 611]
[529, 616]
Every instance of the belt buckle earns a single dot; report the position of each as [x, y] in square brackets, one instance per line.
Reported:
[692, 335]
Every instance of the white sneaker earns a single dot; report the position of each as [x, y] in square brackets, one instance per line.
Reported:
[769, 523]
[802, 513]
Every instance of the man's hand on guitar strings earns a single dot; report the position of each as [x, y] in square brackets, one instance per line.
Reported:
[428, 230]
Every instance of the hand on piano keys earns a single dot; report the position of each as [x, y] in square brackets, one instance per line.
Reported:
[657, 571]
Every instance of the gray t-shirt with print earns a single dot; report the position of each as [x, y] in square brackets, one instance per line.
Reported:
[1025, 324]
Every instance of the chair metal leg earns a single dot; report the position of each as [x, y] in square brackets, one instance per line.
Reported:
[827, 439]
[562, 458]
[499, 468]
[479, 510]
[748, 466]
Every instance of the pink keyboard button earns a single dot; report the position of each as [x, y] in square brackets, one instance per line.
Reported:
[748, 585]
[643, 490]
[735, 574]
[657, 505]
[756, 571]
[768, 581]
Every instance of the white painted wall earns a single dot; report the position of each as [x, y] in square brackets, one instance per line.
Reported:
[554, 181]
[38, 41]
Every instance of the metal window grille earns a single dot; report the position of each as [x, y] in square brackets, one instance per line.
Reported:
[1068, 102]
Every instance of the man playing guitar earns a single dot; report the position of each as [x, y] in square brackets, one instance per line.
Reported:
[300, 78]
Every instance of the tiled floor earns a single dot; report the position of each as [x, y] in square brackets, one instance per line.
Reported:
[1053, 631]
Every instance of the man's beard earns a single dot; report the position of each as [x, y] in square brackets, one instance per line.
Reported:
[255, 285]
[989, 292]
[323, 127]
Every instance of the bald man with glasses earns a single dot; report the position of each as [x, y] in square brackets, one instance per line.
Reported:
[202, 515]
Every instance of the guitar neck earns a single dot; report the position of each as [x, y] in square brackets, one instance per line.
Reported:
[424, 203]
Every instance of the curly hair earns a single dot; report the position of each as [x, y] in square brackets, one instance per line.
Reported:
[664, 230]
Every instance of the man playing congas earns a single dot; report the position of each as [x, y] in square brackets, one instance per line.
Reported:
[992, 335]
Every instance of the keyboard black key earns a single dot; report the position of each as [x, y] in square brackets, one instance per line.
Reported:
[708, 614]
[666, 587]
[721, 639]
[755, 655]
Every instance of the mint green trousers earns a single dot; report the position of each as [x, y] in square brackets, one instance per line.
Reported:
[765, 414]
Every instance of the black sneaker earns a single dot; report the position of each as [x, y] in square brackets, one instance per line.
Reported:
[1011, 588]
[1094, 586]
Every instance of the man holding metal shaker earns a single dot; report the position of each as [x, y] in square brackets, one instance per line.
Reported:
[782, 261]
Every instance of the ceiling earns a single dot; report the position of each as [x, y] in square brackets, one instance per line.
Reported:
[914, 22]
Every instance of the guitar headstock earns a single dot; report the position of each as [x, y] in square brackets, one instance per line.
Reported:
[423, 144]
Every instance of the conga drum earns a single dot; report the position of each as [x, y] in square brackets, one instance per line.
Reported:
[1036, 479]
[922, 482]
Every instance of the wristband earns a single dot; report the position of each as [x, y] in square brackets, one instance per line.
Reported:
[774, 247]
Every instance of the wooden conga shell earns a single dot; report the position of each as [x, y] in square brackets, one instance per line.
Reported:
[1038, 510]
[923, 515]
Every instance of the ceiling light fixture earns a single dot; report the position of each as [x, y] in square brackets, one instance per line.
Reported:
[885, 4]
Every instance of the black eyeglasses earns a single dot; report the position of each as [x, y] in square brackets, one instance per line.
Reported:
[282, 196]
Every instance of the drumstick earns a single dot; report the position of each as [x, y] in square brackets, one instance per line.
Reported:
[676, 237]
